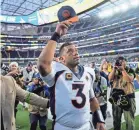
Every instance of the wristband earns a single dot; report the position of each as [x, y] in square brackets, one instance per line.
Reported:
[97, 118]
[55, 37]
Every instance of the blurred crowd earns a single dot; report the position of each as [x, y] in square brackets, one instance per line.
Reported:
[29, 79]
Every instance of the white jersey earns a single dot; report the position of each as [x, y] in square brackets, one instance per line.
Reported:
[69, 95]
[92, 72]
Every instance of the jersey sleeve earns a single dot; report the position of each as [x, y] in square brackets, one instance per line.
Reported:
[91, 93]
[50, 78]
[92, 72]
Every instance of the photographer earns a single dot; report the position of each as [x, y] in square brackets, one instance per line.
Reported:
[38, 113]
[122, 95]
[28, 73]
[100, 89]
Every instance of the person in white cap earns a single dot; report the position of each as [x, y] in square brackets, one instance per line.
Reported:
[9, 91]
[15, 73]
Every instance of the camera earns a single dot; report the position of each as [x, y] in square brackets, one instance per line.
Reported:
[16, 77]
[118, 63]
[4, 67]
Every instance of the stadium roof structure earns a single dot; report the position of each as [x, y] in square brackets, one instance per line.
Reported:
[25, 7]
[39, 12]
[115, 5]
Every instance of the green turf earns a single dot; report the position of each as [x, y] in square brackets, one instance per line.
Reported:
[137, 90]
[136, 124]
[22, 120]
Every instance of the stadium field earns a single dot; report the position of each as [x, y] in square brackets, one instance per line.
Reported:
[23, 121]
[136, 124]
[93, 45]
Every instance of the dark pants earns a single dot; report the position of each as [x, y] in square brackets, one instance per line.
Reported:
[2, 125]
[15, 108]
[103, 109]
[34, 118]
[128, 115]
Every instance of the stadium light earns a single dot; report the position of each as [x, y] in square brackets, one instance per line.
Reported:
[134, 2]
[109, 12]
[106, 13]
[100, 14]
[124, 7]
[116, 9]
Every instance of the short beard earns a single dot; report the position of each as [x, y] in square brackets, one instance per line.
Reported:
[72, 65]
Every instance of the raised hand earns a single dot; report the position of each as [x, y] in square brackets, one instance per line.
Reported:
[62, 28]
[101, 126]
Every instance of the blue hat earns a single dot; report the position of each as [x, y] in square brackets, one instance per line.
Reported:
[67, 13]
[36, 75]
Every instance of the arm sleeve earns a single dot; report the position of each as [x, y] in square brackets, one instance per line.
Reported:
[33, 99]
[50, 78]
[92, 72]
[92, 79]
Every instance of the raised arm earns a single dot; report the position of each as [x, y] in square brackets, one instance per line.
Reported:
[47, 55]
[111, 75]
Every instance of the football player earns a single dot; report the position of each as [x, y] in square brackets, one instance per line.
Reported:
[71, 91]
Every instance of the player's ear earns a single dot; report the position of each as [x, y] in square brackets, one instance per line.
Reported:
[62, 59]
